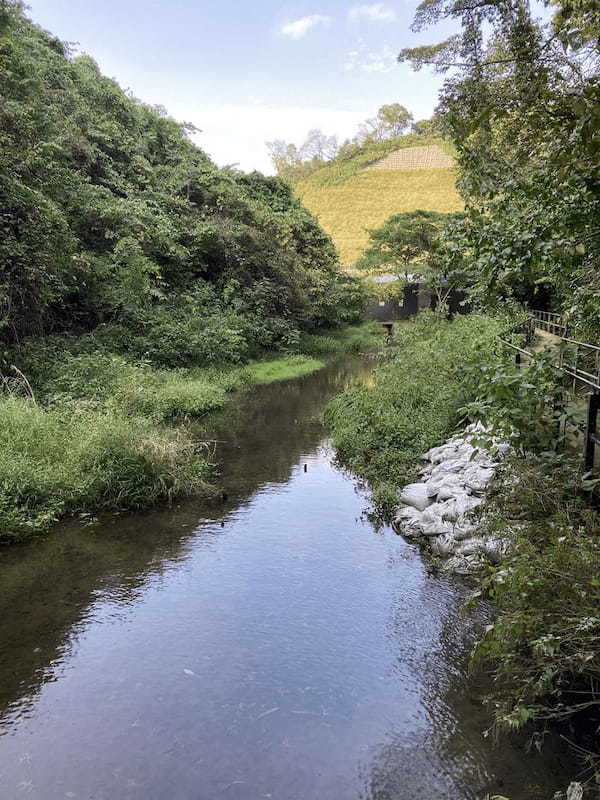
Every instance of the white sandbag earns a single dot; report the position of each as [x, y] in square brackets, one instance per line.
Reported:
[469, 547]
[478, 478]
[451, 465]
[433, 486]
[408, 520]
[443, 546]
[464, 530]
[438, 528]
[451, 487]
[434, 513]
[460, 507]
[494, 548]
[415, 495]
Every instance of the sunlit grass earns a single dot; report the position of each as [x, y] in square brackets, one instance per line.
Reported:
[349, 209]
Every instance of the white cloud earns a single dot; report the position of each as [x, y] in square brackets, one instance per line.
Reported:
[374, 12]
[363, 59]
[300, 27]
[236, 133]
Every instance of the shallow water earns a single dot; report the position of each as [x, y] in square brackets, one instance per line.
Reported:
[274, 646]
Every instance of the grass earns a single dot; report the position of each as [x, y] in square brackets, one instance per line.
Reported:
[59, 461]
[107, 433]
[341, 169]
[282, 369]
[364, 200]
[380, 430]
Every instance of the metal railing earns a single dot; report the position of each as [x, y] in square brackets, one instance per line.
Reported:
[580, 361]
[550, 322]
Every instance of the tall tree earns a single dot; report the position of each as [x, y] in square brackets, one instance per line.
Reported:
[522, 104]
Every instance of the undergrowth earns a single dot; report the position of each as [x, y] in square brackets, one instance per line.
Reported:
[380, 430]
[59, 461]
[543, 647]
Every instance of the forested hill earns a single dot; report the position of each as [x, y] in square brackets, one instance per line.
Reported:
[112, 220]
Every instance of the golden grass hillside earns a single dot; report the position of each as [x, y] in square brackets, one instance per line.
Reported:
[351, 196]
[348, 210]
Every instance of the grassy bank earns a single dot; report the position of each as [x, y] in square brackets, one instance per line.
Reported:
[102, 432]
[381, 430]
[347, 210]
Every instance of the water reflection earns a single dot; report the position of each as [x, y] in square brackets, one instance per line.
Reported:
[281, 647]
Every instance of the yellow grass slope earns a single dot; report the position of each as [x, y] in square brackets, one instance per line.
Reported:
[347, 210]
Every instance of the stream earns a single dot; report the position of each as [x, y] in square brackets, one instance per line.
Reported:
[276, 645]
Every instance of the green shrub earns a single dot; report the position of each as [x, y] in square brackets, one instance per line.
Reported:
[544, 644]
[353, 339]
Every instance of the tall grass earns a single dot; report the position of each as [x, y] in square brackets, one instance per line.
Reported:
[380, 430]
[58, 461]
[106, 432]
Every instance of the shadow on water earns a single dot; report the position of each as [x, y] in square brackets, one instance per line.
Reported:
[276, 645]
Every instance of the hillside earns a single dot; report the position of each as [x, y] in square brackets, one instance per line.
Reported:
[113, 221]
[351, 196]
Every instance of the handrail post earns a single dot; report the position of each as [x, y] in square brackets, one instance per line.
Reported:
[590, 430]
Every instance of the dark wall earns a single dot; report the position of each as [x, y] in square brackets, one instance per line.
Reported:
[414, 299]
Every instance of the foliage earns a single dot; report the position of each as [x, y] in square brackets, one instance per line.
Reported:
[356, 339]
[521, 104]
[111, 217]
[297, 163]
[380, 430]
[60, 461]
[390, 122]
[293, 163]
[527, 405]
[104, 435]
[544, 644]
[419, 242]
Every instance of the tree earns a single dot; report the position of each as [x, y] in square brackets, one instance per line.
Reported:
[522, 104]
[319, 146]
[411, 244]
[316, 150]
[283, 155]
[428, 127]
[390, 121]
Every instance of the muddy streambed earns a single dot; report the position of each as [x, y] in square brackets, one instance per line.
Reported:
[275, 646]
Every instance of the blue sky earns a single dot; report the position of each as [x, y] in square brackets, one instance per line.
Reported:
[246, 72]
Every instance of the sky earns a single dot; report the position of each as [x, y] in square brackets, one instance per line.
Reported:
[249, 71]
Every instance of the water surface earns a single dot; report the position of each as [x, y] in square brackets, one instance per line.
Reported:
[277, 645]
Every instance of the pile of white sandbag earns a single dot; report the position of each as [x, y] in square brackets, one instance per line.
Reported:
[440, 507]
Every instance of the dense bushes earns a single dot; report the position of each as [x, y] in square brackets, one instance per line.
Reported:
[111, 217]
[381, 430]
[136, 282]
[543, 648]
[544, 645]
[100, 433]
